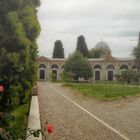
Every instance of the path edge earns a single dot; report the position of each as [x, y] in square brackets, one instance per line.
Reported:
[34, 118]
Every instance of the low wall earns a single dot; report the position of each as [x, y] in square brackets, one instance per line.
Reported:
[34, 118]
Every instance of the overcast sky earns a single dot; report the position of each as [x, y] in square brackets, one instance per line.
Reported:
[117, 22]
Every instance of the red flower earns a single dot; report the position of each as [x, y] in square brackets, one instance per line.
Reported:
[1, 88]
[50, 128]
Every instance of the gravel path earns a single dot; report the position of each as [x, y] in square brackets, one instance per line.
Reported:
[72, 123]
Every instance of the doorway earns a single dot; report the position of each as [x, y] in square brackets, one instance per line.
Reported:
[110, 75]
[54, 74]
[42, 75]
[97, 75]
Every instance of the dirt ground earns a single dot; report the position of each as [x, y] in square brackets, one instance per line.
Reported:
[72, 123]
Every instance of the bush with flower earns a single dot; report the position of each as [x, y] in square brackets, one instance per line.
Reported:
[47, 129]
[19, 29]
[7, 131]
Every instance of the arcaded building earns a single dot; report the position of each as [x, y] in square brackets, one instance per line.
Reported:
[104, 68]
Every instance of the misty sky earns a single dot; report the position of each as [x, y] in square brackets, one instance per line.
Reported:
[117, 22]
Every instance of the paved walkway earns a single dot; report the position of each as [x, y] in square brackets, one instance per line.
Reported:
[74, 116]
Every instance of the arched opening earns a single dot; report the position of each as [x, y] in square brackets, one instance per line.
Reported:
[54, 74]
[97, 75]
[42, 74]
[54, 69]
[134, 68]
[110, 72]
[97, 69]
[54, 66]
[110, 75]
[42, 66]
[42, 71]
[110, 67]
[123, 68]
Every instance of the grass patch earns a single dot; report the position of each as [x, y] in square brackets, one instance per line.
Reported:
[106, 91]
[21, 118]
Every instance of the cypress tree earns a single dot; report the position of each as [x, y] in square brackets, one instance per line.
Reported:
[58, 51]
[82, 46]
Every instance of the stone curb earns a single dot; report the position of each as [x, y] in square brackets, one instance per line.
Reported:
[34, 118]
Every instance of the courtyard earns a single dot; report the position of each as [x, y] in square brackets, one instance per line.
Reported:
[75, 116]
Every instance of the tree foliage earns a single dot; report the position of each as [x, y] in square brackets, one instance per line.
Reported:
[128, 76]
[19, 29]
[95, 53]
[78, 66]
[82, 46]
[136, 54]
[58, 51]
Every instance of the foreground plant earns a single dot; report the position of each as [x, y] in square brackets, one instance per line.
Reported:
[7, 131]
[47, 128]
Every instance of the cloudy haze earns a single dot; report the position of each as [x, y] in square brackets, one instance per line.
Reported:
[117, 22]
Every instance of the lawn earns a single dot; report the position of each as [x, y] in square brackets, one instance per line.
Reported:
[106, 91]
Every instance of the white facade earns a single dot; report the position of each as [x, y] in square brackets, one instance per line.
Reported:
[103, 70]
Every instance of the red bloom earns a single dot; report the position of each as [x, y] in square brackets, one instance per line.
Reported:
[1, 88]
[50, 128]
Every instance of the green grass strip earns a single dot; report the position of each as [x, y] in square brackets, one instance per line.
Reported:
[106, 91]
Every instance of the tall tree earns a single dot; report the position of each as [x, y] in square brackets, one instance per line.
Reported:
[58, 51]
[19, 28]
[82, 46]
[136, 54]
[78, 66]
